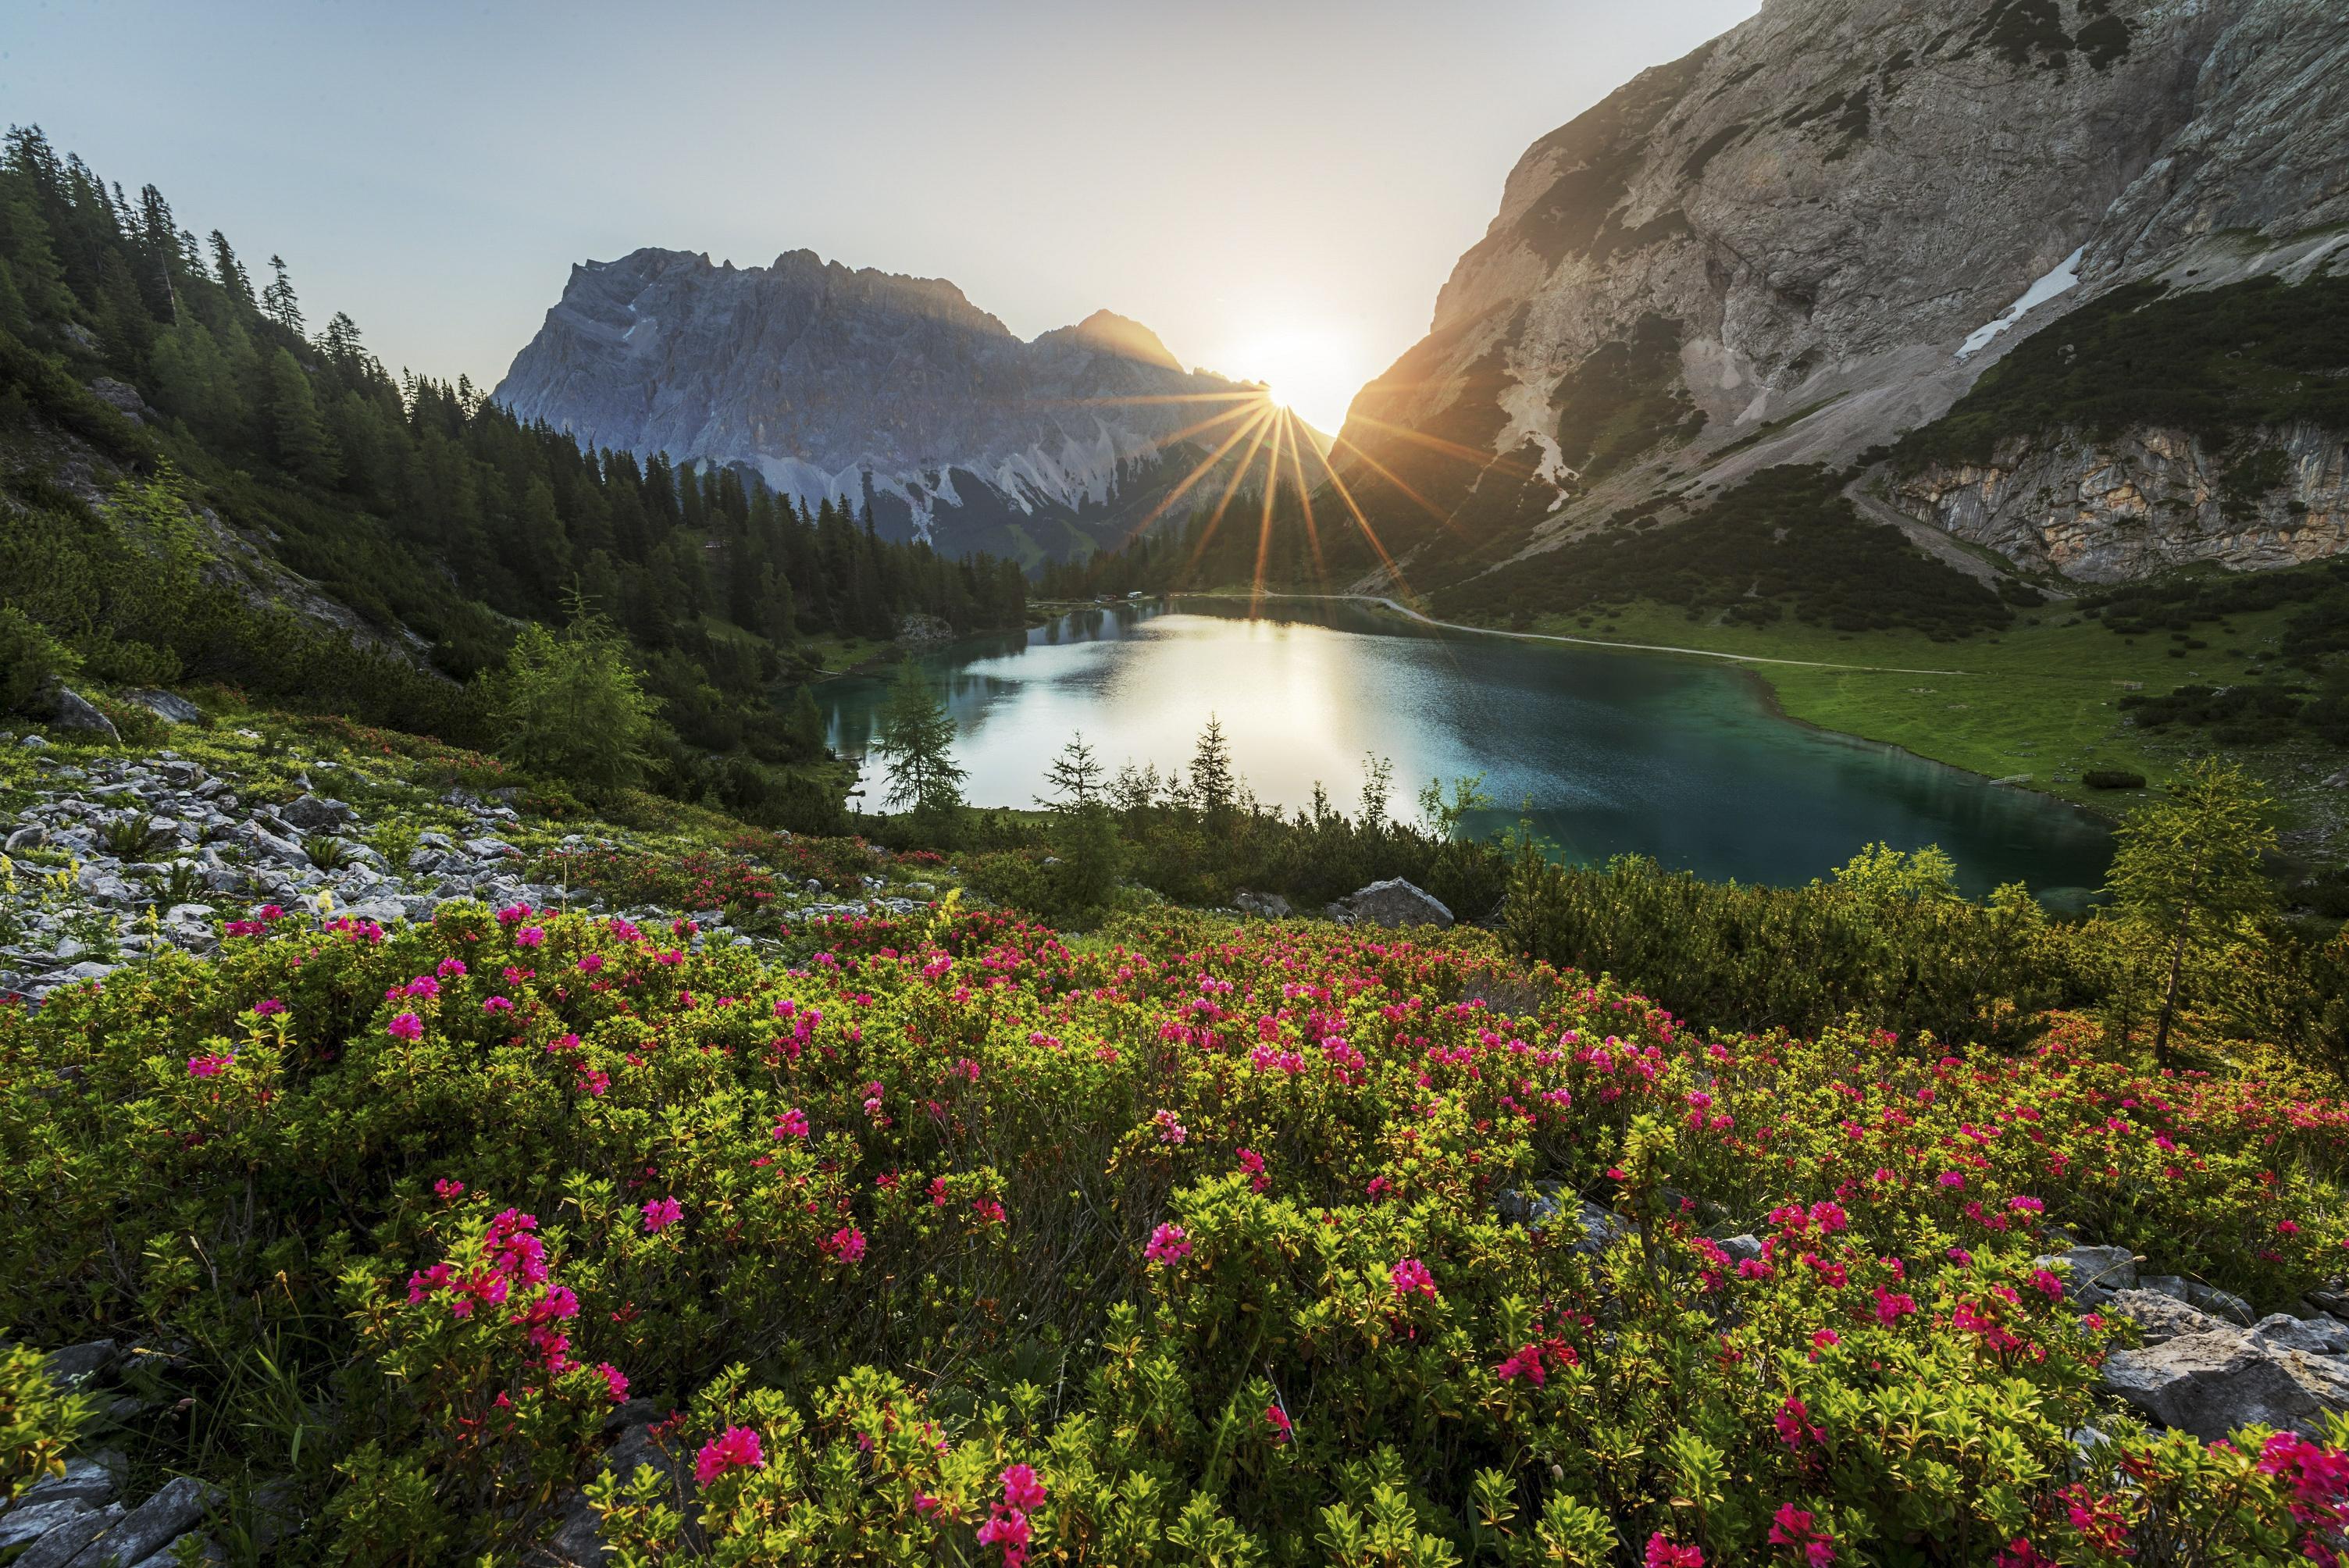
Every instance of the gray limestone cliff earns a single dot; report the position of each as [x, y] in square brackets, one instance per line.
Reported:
[1818, 230]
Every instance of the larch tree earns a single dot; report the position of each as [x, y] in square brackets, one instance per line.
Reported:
[2186, 881]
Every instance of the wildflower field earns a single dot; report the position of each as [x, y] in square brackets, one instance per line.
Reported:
[949, 1240]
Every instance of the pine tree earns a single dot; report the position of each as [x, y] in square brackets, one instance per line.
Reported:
[297, 435]
[572, 706]
[916, 740]
[2187, 879]
[159, 238]
[340, 341]
[231, 272]
[804, 727]
[1213, 784]
[1075, 775]
[277, 301]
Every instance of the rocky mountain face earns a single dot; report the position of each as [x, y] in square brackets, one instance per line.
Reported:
[1819, 231]
[2104, 510]
[862, 385]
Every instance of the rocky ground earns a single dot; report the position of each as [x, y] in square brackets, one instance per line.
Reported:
[113, 859]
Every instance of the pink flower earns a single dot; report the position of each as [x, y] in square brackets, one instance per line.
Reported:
[737, 1447]
[1022, 1490]
[1794, 1423]
[1410, 1277]
[592, 962]
[660, 1214]
[450, 969]
[406, 1027]
[1665, 1554]
[614, 1381]
[529, 936]
[268, 1008]
[988, 1208]
[847, 1244]
[1278, 1419]
[448, 1189]
[793, 1124]
[1170, 1130]
[1799, 1527]
[496, 1005]
[208, 1066]
[1007, 1528]
[1168, 1244]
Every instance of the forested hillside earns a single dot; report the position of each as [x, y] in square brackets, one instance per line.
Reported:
[429, 524]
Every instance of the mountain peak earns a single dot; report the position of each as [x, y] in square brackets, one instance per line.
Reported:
[1106, 332]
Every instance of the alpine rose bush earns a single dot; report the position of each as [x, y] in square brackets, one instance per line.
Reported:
[1184, 1244]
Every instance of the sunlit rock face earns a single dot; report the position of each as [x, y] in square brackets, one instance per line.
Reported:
[867, 386]
[1817, 230]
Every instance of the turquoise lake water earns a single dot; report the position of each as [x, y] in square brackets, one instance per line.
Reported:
[1677, 757]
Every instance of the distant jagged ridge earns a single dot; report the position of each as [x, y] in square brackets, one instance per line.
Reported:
[863, 387]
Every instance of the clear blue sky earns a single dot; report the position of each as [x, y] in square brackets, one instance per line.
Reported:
[1277, 189]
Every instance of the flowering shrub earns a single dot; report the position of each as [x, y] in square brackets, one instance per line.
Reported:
[37, 1422]
[950, 1235]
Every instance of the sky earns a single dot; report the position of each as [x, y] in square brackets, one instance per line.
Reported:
[1277, 189]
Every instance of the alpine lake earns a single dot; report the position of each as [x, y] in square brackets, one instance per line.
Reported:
[1609, 752]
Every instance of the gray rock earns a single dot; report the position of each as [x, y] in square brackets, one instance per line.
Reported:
[73, 712]
[65, 1542]
[33, 743]
[1263, 905]
[25, 838]
[2282, 1328]
[2210, 1383]
[206, 1550]
[76, 1364]
[176, 1507]
[93, 1480]
[123, 398]
[29, 1520]
[283, 851]
[1601, 1230]
[1533, 1207]
[2210, 1298]
[166, 706]
[1392, 902]
[1744, 1248]
[313, 815]
[578, 1542]
[2092, 1275]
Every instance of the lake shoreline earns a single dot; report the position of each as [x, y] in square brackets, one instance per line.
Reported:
[1747, 664]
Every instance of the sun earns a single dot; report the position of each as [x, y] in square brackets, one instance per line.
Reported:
[1313, 371]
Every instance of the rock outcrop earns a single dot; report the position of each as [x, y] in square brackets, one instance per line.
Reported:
[1392, 902]
[1817, 230]
[2102, 511]
[860, 386]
